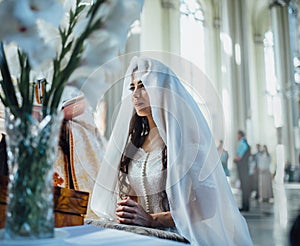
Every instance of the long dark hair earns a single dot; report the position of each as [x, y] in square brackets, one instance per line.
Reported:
[138, 131]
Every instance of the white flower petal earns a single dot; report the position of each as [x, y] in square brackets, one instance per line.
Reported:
[50, 35]
[51, 11]
[28, 11]
[34, 46]
[106, 9]
[11, 52]
[11, 25]
[100, 47]
[93, 87]
[28, 23]
[122, 16]
[23, 14]
[94, 83]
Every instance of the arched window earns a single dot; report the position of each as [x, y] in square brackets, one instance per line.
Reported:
[192, 32]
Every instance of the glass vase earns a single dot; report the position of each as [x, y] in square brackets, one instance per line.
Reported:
[32, 149]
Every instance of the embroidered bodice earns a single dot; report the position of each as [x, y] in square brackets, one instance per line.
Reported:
[146, 177]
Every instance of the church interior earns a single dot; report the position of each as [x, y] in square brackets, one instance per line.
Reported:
[240, 61]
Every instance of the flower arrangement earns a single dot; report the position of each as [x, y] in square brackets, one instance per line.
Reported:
[62, 42]
[69, 40]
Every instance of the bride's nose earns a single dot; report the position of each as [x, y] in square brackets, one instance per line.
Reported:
[136, 93]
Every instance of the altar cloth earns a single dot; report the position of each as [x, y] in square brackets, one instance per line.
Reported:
[92, 235]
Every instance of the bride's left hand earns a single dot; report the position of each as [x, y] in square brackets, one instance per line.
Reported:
[130, 212]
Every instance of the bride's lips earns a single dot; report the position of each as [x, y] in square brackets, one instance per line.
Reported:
[138, 104]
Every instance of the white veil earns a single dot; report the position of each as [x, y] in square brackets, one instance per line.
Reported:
[200, 199]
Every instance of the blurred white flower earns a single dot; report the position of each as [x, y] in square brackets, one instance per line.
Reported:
[121, 16]
[96, 84]
[49, 34]
[11, 24]
[103, 45]
[70, 50]
[100, 47]
[21, 26]
[28, 11]
[107, 9]
[117, 16]
[33, 44]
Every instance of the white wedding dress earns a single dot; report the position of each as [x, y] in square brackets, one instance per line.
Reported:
[146, 177]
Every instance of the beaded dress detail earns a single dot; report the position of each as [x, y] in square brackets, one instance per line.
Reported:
[146, 177]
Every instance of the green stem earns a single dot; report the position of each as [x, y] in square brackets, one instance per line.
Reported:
[7, 84]
[60, 77]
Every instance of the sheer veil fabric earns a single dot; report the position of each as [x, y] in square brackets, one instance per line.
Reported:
[200, 199]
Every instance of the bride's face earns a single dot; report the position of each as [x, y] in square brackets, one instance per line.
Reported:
[139, 96]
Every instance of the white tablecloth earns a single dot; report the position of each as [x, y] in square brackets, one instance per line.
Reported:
[91, 235]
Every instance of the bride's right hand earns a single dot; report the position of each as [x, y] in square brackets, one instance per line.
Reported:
[130, 212]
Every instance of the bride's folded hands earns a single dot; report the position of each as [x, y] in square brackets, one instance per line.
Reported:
[130, 212]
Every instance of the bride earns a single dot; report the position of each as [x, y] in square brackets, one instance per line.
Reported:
[165, 173]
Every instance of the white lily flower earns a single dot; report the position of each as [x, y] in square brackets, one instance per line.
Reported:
[21, 26]
[121, 17]
[117, 16]
[28, 11]
[11, 25]
[103, 45]
[106, 9]
[100, 47]
[95, 82]
[32, 25]
[50, 35]
[31, 42]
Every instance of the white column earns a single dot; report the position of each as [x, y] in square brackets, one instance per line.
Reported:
[229, 98]
[160, 26]
[280, 28]
[235, 67]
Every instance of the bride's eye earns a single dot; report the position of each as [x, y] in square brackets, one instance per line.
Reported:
[140, 84]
